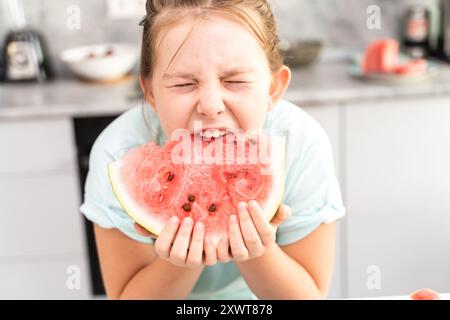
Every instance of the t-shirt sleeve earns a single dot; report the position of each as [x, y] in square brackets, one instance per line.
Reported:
[312, 191]
[100, 204]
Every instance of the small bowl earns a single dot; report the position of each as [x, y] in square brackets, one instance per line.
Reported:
[301, 53]
[102, 62]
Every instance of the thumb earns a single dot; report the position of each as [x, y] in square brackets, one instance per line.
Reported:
[281, 215]
[142, 231]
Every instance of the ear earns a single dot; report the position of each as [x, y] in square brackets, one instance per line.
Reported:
[147, 90]
[280, 82]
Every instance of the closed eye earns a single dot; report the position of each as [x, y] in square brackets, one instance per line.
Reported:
[237, 85]
[183, 85]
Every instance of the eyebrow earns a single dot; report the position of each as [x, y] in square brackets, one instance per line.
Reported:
[178, 75]
[228, 73]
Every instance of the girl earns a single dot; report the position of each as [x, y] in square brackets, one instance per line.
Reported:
[217, 61]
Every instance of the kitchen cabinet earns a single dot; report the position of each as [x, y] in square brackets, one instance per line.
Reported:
[329, 117]
[45, 278]
[36, 145]
[391, 160]
[40, 216]
[397, 178]
[41, 233]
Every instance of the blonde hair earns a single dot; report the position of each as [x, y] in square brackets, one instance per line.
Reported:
[256, 15]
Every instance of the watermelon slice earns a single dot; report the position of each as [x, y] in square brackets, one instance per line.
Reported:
[204, 179]
[381, 56]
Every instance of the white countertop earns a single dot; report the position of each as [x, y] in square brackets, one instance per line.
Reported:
[443, 296]
[65, 98]
[330, 82]
[323, 83]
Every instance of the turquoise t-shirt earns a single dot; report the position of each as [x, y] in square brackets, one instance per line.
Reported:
[311, 187]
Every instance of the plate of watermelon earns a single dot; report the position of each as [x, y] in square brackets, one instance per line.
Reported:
[382, 61]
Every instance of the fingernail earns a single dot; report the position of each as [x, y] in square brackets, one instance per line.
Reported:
[199, 227]
[288, 210]
[174, 220]
[242, 205]
[253, 203]
[233, 219]
[187, 221]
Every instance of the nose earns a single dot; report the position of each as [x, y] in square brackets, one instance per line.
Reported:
[210, 104]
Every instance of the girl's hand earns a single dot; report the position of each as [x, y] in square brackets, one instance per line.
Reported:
[250, 232]
[183, 244]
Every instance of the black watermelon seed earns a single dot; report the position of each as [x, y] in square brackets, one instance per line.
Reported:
[171, 176]
[230, 175]
[212, 207]
[191, 198]
[186, 207]
[252, 141]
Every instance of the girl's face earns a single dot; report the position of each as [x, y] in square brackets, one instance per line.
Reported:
[220, 76]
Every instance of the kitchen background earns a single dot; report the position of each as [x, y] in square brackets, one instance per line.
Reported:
[340, 24]
[391, 144]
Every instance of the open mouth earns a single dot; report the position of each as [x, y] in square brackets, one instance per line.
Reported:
[210, 133]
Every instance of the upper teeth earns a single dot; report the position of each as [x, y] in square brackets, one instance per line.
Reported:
[212, 133]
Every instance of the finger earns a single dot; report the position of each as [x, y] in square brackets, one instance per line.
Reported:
[143, 232]
[281, 215]
[195, 254]
[210, 252]
[223, 251]
[238, 249]
[265, 229]
[249, 233]
[164, 241]
[178, 252]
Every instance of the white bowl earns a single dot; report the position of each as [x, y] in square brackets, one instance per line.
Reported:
[101, 62]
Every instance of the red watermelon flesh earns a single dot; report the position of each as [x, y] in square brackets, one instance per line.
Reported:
[381, 56]
[425, 294]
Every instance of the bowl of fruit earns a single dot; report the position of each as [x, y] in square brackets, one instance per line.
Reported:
[300, 53]
[101, 62]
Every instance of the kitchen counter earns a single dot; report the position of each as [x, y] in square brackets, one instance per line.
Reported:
[66, 98]
[443, 296]
[329, 82]
[323, 83]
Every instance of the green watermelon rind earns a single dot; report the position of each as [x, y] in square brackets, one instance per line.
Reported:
[149, 226]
